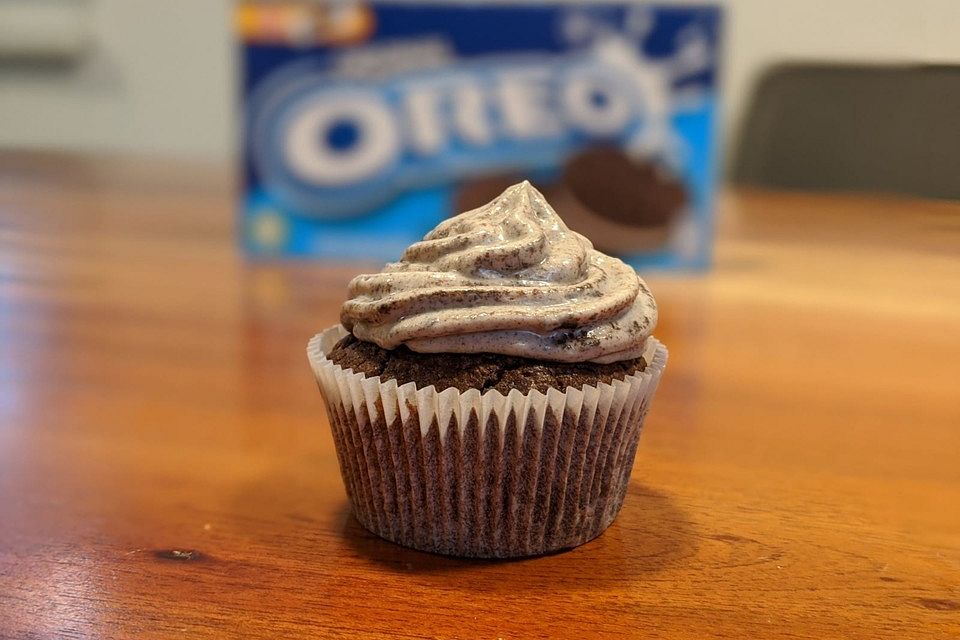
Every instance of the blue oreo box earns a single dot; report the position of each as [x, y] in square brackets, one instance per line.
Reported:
[366, 124]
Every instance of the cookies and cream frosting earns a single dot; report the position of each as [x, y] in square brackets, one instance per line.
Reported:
[507, 278]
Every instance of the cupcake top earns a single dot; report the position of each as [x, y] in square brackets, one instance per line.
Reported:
[507, 278]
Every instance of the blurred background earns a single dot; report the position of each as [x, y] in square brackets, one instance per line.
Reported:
[849, 95]
[162, 77]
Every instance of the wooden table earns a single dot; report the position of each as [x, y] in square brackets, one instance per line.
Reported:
[166, 469]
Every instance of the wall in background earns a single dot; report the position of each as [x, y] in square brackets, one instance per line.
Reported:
[761, 33]
[160, 76]
[157, 77]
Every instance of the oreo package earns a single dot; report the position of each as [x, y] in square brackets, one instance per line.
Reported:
[367, 123]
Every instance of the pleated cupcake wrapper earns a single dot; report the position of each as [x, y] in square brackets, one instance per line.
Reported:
[483, 474]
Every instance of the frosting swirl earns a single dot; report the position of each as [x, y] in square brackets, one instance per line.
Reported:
[507, 278]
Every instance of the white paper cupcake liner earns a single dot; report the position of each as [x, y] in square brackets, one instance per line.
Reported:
[483, 475]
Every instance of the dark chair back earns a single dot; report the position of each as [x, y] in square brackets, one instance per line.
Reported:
[854, 128]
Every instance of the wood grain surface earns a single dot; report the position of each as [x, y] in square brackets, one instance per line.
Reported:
[166, 468]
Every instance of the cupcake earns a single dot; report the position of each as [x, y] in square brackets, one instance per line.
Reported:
[486, 393]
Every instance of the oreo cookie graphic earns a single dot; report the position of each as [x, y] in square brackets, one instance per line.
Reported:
[623, 205]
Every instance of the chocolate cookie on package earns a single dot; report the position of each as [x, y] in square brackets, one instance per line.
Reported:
[625, 205]
[486, 393]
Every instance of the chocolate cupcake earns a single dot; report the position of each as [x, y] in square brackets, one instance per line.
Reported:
[486, 393]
